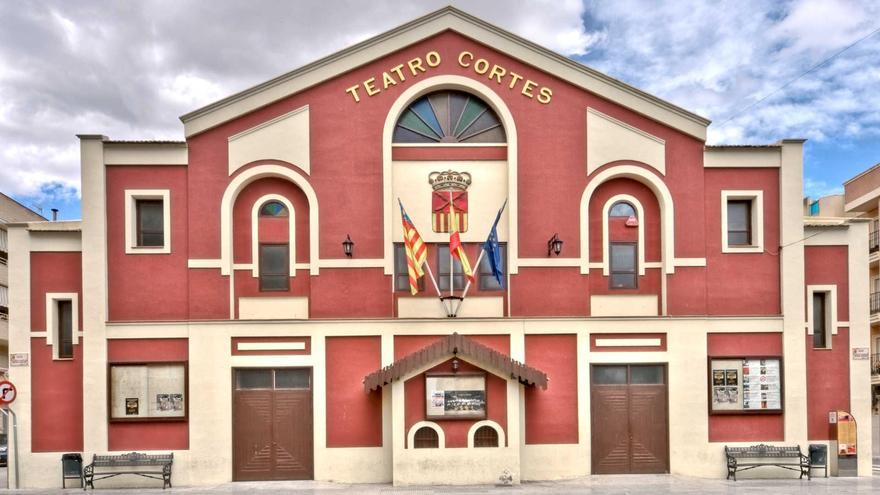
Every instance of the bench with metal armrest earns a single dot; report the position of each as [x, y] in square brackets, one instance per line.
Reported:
[745, 458]
[155, 466]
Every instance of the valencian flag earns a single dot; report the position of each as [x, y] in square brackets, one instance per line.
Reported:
[416, 251]
[449, 208]
[493, 250]
[455, 247]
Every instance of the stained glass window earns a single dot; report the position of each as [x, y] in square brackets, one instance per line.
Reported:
[273, 209]
[449, 117]
[622, 209]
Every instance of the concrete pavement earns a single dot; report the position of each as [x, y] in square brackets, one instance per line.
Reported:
[593, 485]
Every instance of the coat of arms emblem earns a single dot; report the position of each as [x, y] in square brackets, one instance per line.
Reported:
[449, 201]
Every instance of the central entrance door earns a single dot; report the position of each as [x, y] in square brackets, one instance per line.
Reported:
[630, 423]
[272, 424]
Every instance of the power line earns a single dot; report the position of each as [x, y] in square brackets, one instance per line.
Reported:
[811, 69]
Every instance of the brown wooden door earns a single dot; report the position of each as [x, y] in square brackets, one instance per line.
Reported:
[629, 419]
[272, 425]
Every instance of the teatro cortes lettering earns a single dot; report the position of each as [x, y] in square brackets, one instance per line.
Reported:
[445, 255]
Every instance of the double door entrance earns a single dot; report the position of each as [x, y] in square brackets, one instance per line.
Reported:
[272, 424]
[630, 425]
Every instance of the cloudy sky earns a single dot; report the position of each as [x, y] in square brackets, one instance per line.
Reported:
[129, 69]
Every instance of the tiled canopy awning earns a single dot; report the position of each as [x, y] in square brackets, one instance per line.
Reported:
[452, 345]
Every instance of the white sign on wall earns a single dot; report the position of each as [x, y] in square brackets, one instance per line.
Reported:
[19, 359]
[861, 353]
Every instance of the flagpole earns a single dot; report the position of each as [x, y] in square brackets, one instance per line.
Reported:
[451, 264]
[436, 287]
[468, 285]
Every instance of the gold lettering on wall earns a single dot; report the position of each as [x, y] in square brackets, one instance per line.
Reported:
[480, 66]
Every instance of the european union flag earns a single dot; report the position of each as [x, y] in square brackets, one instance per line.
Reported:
[493, 250]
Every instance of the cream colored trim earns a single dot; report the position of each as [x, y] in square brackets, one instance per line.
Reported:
[743, 158]
[861, 200]
[449, 145]
[270, 346]
[831, 323]
[70, 241]
[757, 199]
[132, 195]
[842, 324]
[653, 264]
[145, 154]
[411, 434]
[502, 441]
[238, 184]
[610, 140]
[52, 338]
[628, 342]
[664, 199]
[273, 308]
[549, 262]
[408, 96]
[285, 138]
[203, 263]
[623, 305]
[255, 233]
[690, 261]
[640, 248]
[442, 20]
[352, 262]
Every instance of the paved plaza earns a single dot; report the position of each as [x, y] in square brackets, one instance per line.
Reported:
[593, 485]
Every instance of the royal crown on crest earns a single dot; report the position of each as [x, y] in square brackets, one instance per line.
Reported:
[449, 180]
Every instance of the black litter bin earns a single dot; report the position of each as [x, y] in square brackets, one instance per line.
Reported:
[819, 456]
[71, 469]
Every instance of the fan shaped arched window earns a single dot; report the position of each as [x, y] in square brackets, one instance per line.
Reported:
[273, 209]
[449, 117]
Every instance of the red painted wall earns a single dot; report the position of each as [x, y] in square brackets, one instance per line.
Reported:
[549, 292]
[828, 369]
[456, 431]
[56, 400]
[740, 283]
[552, 414]
[354, 419]
[746, 427]
[146, 435]
[53, 272]
[160, 279]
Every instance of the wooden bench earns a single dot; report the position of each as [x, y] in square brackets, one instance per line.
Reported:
[745, 458]
[155, 466]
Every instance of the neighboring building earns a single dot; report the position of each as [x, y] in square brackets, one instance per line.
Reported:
[826, 206]
[10, 211]
[244, 300]
[862, 198]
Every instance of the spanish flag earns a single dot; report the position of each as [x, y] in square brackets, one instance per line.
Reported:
[455, 247]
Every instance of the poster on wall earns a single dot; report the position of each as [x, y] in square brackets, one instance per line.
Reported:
[455, 396]
[147, 391]
[740, 385]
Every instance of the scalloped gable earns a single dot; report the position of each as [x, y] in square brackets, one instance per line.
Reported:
[448, 18]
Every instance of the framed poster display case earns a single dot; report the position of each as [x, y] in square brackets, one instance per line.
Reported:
[455, 396]
[147, 392]
[746, 385]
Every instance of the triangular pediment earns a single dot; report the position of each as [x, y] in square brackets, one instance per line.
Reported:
[446, 19]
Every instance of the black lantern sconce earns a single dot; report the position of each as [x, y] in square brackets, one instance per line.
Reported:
[347, 245]
[554, 245]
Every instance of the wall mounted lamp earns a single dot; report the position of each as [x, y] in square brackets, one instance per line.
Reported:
[347, 245]
[554, 245]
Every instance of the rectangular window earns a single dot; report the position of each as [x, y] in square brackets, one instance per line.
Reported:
[150, 223]
[274, 267]
[4, 303]
[623, 257]
[401, 273]
[487, 280]
[820, 327]
[739, 222]
[65, 329]
[443, 258]
[4, 246]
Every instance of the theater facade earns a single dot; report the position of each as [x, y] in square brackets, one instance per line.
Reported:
[243, 298]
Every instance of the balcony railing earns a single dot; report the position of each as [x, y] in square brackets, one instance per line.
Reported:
[875, 364]
[875, 302]
[874, 241]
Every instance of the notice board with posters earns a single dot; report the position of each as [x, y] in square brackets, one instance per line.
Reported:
[147, 392]
[739, 385]
[455, 396]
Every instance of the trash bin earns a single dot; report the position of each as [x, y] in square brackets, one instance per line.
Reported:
[71, 469]
[819, 456]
